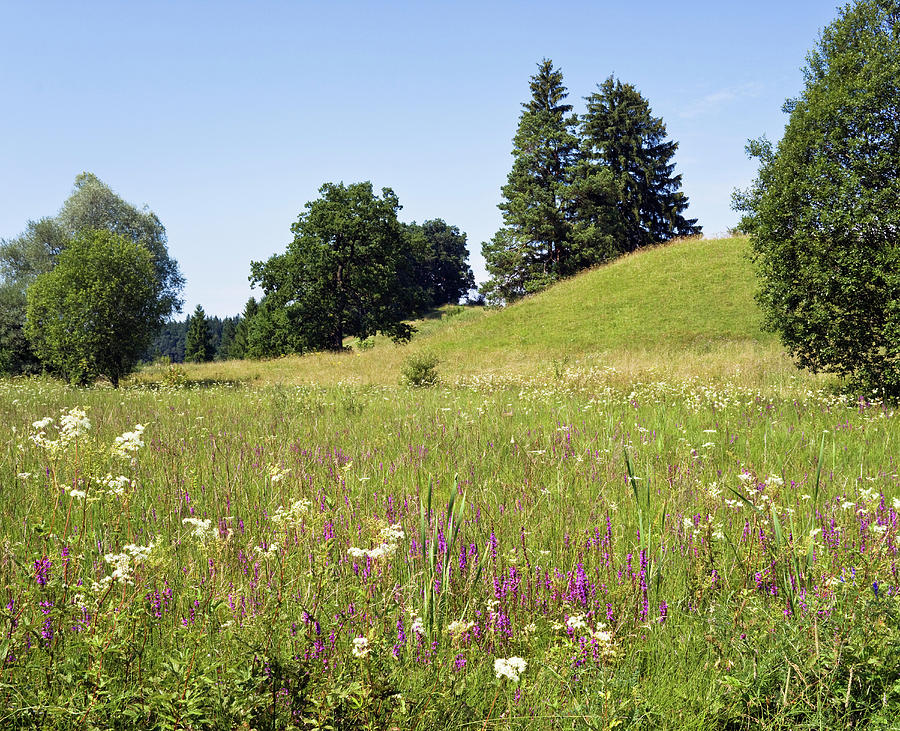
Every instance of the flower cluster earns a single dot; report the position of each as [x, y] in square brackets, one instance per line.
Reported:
[129, 442]
[509, 667]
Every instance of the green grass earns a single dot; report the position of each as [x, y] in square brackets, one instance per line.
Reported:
[621, 481]
[675, 311]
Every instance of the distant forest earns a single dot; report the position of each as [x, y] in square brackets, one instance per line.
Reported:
[172, 339]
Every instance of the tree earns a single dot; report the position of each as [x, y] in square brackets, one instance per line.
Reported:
[626, 166]
[229, 329]
[823, 211]
[238, 347]
[537, 195]
[198, 347]
[348, 271]
[441, 261]
[92, 205]
[96, 311]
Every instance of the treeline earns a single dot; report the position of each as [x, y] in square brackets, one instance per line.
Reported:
[581, 191]
[170, 342]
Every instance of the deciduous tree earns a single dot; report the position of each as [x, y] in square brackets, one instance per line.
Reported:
[96, 311]
[348, 271]
[823, 212]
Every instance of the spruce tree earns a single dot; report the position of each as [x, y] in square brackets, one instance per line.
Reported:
[198, 347]
[534, 248]
[238, 347]
[624, 142]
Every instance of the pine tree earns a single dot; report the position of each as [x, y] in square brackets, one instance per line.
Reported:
[199, 347]
[623, 141]
[536, 209]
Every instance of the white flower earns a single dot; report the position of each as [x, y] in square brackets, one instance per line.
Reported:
[293, 514]
[360, 647]
[418, 626]
[896, 503]
[774, 480]
[42, 424]
[74, 424]
[459, 628]
[78, 494]
[115, 485]
[878, 528]
[509, 667]
[23, 475]
[576, 622]
[276, 474]
[130, 441]
[203, 529]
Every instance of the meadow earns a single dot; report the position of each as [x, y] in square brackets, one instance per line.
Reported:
[598, 540]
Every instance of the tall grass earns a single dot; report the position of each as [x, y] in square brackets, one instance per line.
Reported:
[661, 555]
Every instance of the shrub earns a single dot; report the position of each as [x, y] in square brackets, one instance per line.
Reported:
[420, 370]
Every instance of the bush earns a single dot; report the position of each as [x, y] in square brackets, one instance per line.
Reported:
[823, 211]
[420, 370]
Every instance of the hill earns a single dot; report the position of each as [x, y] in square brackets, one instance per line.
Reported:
[682, 309]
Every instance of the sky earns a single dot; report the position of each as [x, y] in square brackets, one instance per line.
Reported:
[224, 118]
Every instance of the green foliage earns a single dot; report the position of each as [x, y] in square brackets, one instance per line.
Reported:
[420, 370]
[348, 271]
[533, 248]
[91, 206]
[580, 195]
[239, 344]
[198, 344]
[441, 254]
[627, 161]
[96, 311]
[823, 210]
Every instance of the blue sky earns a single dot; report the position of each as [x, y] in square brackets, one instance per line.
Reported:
[225, 118]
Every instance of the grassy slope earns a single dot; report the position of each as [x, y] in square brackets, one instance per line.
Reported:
[682, 309]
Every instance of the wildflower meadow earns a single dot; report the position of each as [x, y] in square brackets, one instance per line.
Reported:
[554, 553]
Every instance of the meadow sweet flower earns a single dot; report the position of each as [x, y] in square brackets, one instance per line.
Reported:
[509, 667]
[130, 441]
[360, 647]
[202, 529]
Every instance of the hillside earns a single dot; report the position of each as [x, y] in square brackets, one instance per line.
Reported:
[684, 309]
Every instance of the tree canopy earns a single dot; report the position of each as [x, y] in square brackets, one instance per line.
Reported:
[823, 210]
[91, 206]
[348, 271]
[198, 346]
[97, 310]
[533, 248]
[582, 193]
[628, 147]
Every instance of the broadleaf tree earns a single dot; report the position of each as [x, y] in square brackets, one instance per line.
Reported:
[441, 261]
[823, 213]
[349, 271]
[96, 311]
[91, 206]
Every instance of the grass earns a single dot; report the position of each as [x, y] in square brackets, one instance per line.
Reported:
[700, 538]
[680, 310]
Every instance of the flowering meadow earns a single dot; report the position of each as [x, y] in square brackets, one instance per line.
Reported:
[560, 553]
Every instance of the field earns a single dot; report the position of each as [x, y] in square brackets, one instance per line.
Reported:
[669, 532]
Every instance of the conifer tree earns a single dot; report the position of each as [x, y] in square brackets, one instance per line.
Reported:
[198, 347]
[623, 142]
[534, 248]
[238, 347]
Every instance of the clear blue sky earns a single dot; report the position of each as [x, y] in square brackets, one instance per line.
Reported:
[225, 118]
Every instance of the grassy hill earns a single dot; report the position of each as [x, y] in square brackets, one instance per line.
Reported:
[684, 309]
